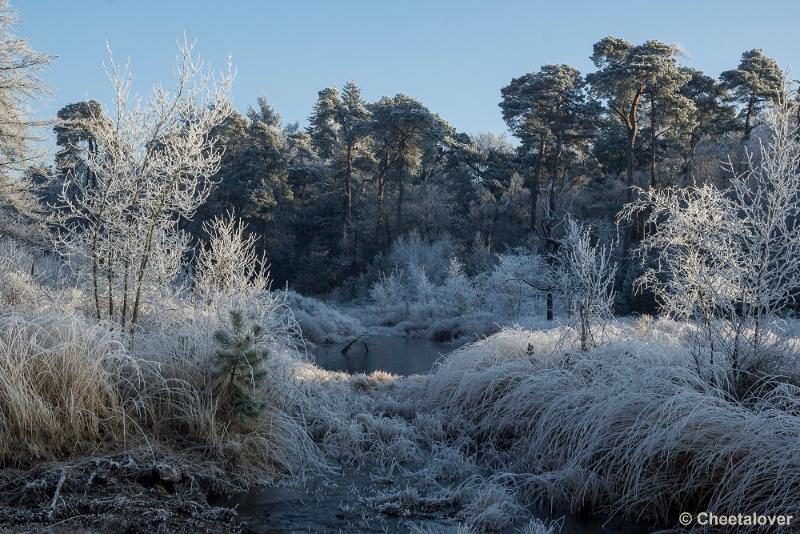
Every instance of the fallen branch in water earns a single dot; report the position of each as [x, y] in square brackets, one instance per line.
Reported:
[355, 340]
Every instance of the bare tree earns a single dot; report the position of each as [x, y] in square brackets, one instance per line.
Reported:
[585, 278]
[730, 259]
[152, 166]
[19, 85]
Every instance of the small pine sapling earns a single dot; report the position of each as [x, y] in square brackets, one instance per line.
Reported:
[239, 365]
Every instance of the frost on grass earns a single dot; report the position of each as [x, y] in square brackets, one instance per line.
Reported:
[627, 429]
[526, 420]
[320, 322]
[521, 419]
[598, 416]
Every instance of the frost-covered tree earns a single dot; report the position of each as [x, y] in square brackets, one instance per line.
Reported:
[20, 68]
[152, 167]
[626, 74]
[517, 279]
[712, 115]
[74, 137]
[338, 128]
[233, 185]
[403, 130]
[585, 278]
[757, 80]
[239, 366]
[730, 259]
[668, 110]
[263, 162]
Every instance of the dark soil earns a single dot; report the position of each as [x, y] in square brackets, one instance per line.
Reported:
[110, 495]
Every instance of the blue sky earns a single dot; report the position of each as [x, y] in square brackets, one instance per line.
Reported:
[452, 55]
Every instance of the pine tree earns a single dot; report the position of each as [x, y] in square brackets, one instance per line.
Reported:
[239, 365]
[758, 79]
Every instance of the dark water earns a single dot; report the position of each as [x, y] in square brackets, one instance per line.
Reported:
[397, 355]
[339, 504]
[332, 505]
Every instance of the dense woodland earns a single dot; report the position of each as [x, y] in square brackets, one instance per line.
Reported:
[327, 200]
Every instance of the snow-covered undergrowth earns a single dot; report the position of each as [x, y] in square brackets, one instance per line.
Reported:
[423, 289]
[72, 386]
[627, 429]
[64, 386]
[320, 322]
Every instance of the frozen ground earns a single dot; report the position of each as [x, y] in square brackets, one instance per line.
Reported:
[517, 422]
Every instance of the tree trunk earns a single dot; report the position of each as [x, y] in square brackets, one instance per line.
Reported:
[401, 189]
[653, 146]
[688, 163]
[384, 169]
[584, 328]
[381, 215]
[748, 128]
[536, 179]
[629, 164]
[632, 127]
[627, 228]
[551, 194]
[551, 248]
[348, 191]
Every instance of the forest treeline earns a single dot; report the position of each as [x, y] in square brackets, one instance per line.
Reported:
[326, 201]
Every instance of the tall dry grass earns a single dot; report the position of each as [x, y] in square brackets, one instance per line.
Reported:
[66, 387]
[629, 429]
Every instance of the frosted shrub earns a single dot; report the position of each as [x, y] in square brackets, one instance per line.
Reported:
[320, 322]
[32, 282]
[730, 259]
[458, 291]
[43, 267]
[513, 284]
[420, 289]
[431, 256]
[585, 277]
[18, 290]
[151, 167]
[229, 263]
[643, 324]
[460, 304]
[388, 290]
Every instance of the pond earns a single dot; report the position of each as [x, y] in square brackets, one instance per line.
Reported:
[396, 355]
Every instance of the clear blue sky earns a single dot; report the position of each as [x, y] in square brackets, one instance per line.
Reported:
[452, 55]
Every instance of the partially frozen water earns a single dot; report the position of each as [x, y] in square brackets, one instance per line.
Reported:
[335, 504]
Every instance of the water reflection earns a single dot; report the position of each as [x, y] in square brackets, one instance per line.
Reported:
[397, 355]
